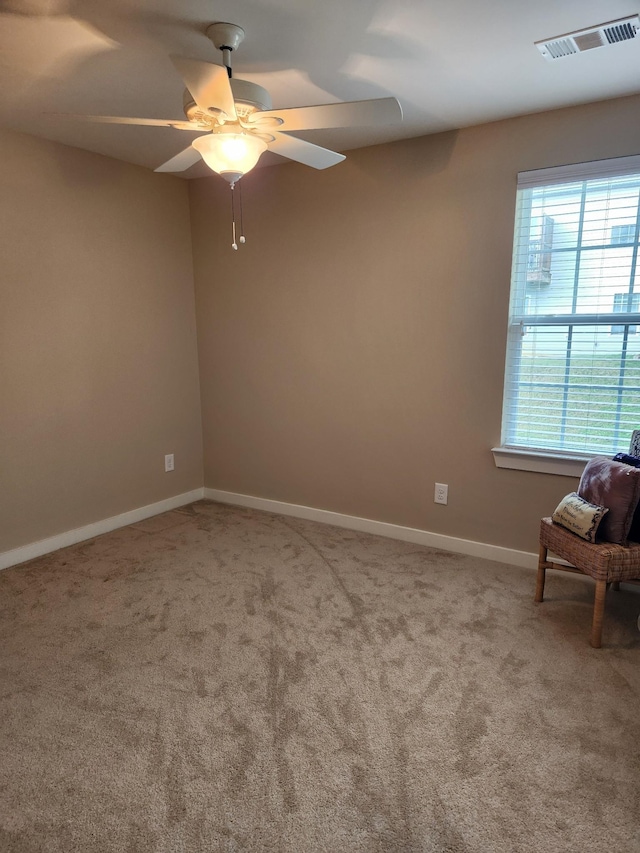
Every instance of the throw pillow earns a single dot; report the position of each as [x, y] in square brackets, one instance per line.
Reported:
[634, 530]
[605, 482]
[634, 461]
[579, 516]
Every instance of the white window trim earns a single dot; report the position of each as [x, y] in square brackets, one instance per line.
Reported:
[579, 172]
[542, 462]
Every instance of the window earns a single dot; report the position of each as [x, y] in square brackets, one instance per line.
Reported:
[625, 303]
[623, 233]
[572, 378]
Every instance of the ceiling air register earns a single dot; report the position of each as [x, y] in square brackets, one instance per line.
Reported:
[602, 35]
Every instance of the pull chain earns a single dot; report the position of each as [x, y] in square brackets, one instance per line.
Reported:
[242, 240]
[234, 244]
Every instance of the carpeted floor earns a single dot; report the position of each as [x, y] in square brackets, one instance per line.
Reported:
[221, 679]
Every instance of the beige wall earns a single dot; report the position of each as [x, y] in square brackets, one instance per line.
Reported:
[98, 364]
[352, 352]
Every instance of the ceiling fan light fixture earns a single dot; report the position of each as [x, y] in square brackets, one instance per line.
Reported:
[230, 154]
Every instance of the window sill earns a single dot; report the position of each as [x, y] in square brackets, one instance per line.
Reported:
[542, 463]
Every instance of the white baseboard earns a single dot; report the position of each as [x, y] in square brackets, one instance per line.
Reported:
[350, 522]
[80, 534]
[525, 559]
[381, 528]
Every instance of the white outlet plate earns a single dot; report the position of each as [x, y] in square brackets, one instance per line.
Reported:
[169, 464]
[441, 493]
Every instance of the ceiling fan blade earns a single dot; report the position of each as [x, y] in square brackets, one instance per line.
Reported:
[148, 122]
[347, 114]
[180, 162]
[304, 152]
[208, 83]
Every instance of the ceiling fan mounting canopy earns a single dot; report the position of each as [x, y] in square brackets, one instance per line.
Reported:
[225, 36]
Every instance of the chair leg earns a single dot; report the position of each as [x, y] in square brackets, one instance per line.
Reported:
[541, 573]
[598, 613]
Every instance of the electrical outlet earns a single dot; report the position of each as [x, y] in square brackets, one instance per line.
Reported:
[169, 464]
[441, 494]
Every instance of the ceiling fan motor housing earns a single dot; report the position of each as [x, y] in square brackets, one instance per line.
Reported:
[249, 98]
[249, 95]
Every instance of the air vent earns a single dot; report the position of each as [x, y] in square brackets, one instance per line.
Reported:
[603, 35]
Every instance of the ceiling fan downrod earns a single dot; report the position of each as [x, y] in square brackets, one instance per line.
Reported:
[226, 60]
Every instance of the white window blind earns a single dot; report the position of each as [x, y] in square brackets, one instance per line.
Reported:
[572, 378]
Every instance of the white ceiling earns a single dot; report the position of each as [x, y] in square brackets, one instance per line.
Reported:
[451, 63]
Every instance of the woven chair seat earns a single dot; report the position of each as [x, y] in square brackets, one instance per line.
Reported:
[604, 561]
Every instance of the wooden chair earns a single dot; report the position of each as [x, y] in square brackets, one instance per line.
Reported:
[606, 563]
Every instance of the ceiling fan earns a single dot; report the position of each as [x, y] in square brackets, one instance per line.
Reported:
[238, 123]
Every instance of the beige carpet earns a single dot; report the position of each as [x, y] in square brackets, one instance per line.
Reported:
[219, 679]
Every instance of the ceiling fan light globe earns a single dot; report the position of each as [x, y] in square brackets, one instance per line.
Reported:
[230, 155]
